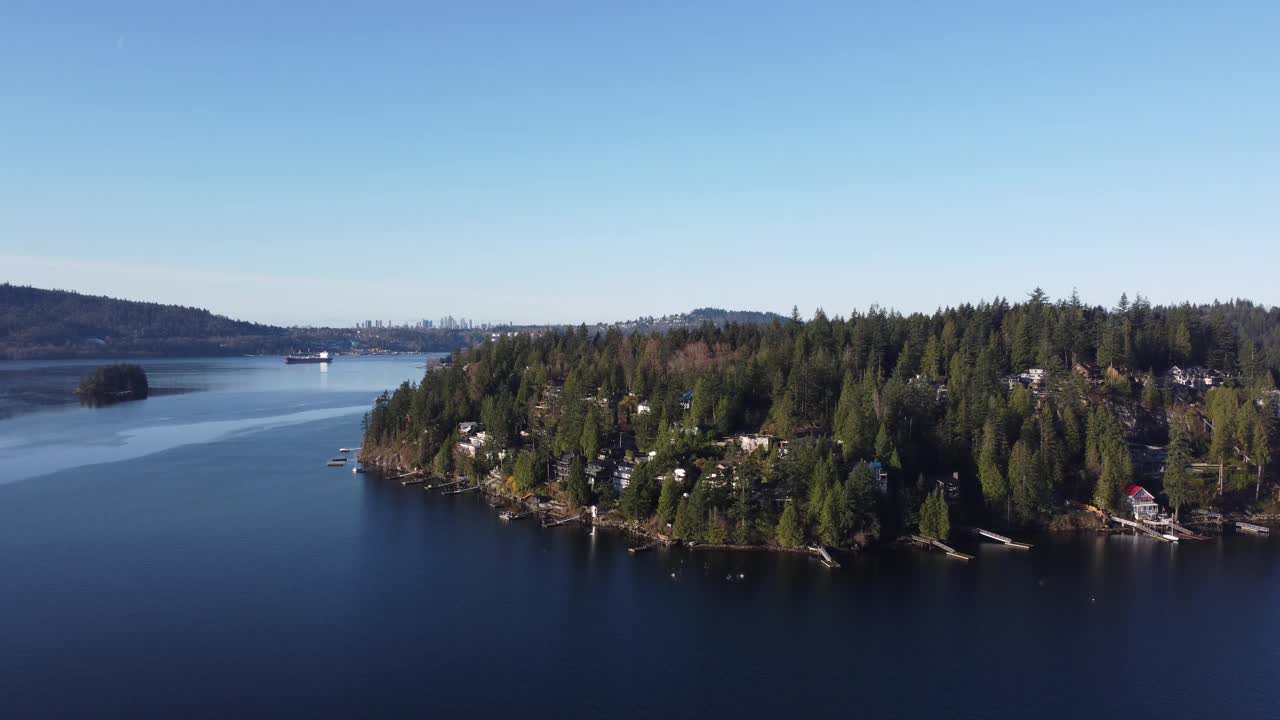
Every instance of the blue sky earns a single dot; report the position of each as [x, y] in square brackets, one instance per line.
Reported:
[289, 162]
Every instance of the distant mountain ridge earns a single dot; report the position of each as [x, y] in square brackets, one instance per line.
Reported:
[38, 322]
[42, 324]
[698, 317]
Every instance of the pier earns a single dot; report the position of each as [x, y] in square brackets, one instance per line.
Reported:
[1163, 537]
[442, 486]
[459, 491]
[1253, 529]
[642, 548]
[1000, 538]
[824, 556]
[561, 521]
[950, 551]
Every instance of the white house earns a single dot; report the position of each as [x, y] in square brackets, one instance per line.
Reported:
[751, 443]
[1142, 503]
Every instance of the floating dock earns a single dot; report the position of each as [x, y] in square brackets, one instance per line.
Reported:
[643, 548]
[950, 551]
[459, 491]
[1253, 529]
[1000, 538]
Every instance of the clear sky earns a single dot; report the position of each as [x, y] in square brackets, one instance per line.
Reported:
[566, 161]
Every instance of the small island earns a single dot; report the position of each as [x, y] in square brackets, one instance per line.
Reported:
[113, 383]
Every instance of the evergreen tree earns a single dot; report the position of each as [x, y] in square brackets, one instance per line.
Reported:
[790, 532]
[576, 485]
[935, 517]
[667, 501]
[1151, 393]
[991, 474]
[1178, 484]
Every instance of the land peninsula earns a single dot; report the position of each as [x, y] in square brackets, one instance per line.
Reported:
[841, 432]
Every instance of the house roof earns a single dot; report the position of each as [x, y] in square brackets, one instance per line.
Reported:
[1137, 492]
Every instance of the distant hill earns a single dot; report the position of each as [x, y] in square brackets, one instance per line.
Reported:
[43, 324]
[700, 316]
[57, 323]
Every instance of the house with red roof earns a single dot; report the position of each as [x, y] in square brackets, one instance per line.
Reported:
[1142, 503]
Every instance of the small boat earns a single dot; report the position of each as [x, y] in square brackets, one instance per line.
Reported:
[508, 515]
[344, 450]
[335, 464]
[338, 459]
[357, 469]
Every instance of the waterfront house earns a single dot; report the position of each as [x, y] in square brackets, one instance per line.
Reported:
[1088, 371]
[467, 429]
[1142, 503]
[882, 477]
[686, 400]
[563, 464]
[753, 442]
[622, 475]
[598, 472]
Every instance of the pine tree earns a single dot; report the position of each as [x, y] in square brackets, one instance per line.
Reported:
[790, 532]
[1151, 393]
[667, 501]
[935, 518]
[576, 485]
[1177, 483]
[991, 475]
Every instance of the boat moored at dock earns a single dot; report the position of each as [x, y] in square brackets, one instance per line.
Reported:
[323, 357]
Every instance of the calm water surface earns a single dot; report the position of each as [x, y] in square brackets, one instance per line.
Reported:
[190, 555]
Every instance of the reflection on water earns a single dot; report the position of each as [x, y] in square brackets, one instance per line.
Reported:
[234, 575]
[192, 401]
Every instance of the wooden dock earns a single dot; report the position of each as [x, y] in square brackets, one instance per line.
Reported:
[459, 491]
[952, 552]
[824, 556]
[561, 521]
[411, 473]
[1186, 534]
[643, 548]
[1000, 538]
[1163, 537]
[442, 486]
[1253, 529]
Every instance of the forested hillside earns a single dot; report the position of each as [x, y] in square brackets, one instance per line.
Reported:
[918, 397]
[36, 322]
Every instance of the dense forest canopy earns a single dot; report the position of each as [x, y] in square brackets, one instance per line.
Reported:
[917, 397]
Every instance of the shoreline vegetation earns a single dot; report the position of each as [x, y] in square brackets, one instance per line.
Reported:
[109, 384]
[843, 433]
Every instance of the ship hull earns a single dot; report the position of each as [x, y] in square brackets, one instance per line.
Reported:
[301, 360]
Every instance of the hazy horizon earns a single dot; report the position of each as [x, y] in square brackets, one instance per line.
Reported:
[296, 165]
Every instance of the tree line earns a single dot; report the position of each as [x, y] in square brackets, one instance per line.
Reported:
[919, 396]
